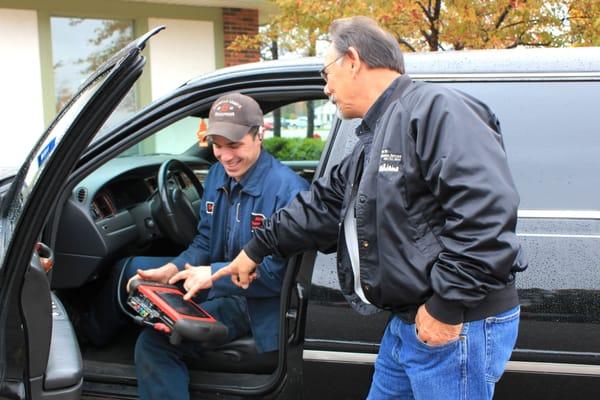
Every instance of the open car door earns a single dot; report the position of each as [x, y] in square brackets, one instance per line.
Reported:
[39, 354]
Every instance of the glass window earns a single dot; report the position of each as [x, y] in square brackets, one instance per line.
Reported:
[173, 139]
[298, 131]
[79, 47]
[551, 138]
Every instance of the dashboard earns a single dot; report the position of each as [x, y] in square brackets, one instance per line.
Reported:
[110, 216]
[128, 191]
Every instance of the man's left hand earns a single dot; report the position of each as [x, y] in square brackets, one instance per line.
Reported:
[434, 332]
[196, 279]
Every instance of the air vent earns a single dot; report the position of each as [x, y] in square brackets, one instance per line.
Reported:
[81, 194]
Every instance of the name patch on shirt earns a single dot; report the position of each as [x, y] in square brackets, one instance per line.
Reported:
[256, 221]
[389, 162]
[210, 207]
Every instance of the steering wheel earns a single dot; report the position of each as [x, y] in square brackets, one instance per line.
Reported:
[173, 208]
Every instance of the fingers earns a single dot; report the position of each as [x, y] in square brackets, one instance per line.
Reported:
[223, 272]
[147, 274]
[181, 275]
[192, 291]
[128, 286]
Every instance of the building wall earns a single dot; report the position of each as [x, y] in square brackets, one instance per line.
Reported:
[185, 50]
[191, 45]
[21, 103]
[239, 21]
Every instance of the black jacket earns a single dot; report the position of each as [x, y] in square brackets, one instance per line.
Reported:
[436, 208]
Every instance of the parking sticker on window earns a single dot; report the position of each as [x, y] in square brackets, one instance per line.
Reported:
[46, 151]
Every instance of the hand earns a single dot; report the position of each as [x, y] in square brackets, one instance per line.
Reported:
[196, 279]
[242, 270]
[160, 275]
[432, 331]
[46, 264]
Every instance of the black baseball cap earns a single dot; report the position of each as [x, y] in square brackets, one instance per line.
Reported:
[233, 115]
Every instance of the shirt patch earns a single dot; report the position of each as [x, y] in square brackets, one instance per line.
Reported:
[210, 207]
[389, 162]
[256, 222]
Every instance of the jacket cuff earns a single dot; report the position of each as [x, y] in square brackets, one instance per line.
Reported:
[254, 251]
[448, 312]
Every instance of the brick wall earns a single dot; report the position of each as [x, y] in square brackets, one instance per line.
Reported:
[239, 21]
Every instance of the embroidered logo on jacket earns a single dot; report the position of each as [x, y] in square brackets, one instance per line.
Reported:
[389, 162]
[256, 221]
[210, 207]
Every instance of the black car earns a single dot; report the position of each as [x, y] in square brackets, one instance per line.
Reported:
[91, 190]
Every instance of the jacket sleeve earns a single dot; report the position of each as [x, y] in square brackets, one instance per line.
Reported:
[462, 160]
[309, 222]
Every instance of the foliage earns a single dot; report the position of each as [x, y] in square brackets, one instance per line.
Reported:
[298, 149]
[111, 37]
[434, 25]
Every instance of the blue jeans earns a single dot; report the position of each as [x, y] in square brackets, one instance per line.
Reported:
[161, 372]
[464, 369]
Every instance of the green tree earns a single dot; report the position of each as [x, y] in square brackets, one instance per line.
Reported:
[433, 25]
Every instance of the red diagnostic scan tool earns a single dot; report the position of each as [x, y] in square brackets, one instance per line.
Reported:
[163, 307]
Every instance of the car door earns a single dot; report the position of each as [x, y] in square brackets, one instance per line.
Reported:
[39, 355]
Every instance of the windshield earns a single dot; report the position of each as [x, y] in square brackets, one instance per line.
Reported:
[13, 203]
[173, 139]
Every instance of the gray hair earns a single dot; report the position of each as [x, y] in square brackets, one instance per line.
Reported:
[376, 47]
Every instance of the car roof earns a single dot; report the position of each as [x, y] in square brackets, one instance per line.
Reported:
[519, 61]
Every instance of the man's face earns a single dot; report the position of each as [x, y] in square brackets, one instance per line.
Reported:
[339, 85]
[236, 157]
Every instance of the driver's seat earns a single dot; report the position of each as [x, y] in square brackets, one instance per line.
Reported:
[240, 355]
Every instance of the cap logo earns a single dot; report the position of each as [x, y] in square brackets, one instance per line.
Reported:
[227, 108]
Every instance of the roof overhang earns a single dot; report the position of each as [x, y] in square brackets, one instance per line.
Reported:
[264, 7]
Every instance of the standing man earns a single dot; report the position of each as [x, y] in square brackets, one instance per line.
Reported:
[426, 210]
[243, 188]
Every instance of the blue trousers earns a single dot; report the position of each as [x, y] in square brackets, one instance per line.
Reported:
[464, 369]
[160, 370]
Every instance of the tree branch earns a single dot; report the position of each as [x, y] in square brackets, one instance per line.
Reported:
[503, 16]
[404, 42]
[426, 11]
[438, 8]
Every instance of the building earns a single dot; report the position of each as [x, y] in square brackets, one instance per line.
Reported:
[48, 47]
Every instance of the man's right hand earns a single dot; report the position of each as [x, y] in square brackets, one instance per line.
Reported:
[242, 270]
[160, 275]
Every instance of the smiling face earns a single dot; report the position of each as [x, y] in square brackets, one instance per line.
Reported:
[237, 157]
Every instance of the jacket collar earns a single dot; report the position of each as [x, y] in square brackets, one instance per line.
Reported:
[393, 92]
[251, 182]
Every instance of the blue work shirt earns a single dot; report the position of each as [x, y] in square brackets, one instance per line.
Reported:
[229, 213]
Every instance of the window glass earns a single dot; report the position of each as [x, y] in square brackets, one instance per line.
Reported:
[290, 135]
[551, 138]
[79, 47]
[173, 139]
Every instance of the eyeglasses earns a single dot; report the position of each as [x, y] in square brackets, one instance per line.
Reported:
[323, 71]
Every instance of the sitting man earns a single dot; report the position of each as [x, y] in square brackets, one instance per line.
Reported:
[246, 186]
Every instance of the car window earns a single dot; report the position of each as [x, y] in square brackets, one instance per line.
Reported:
[290, 137]
[173, 139]
[292, 140]
[552, 142]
